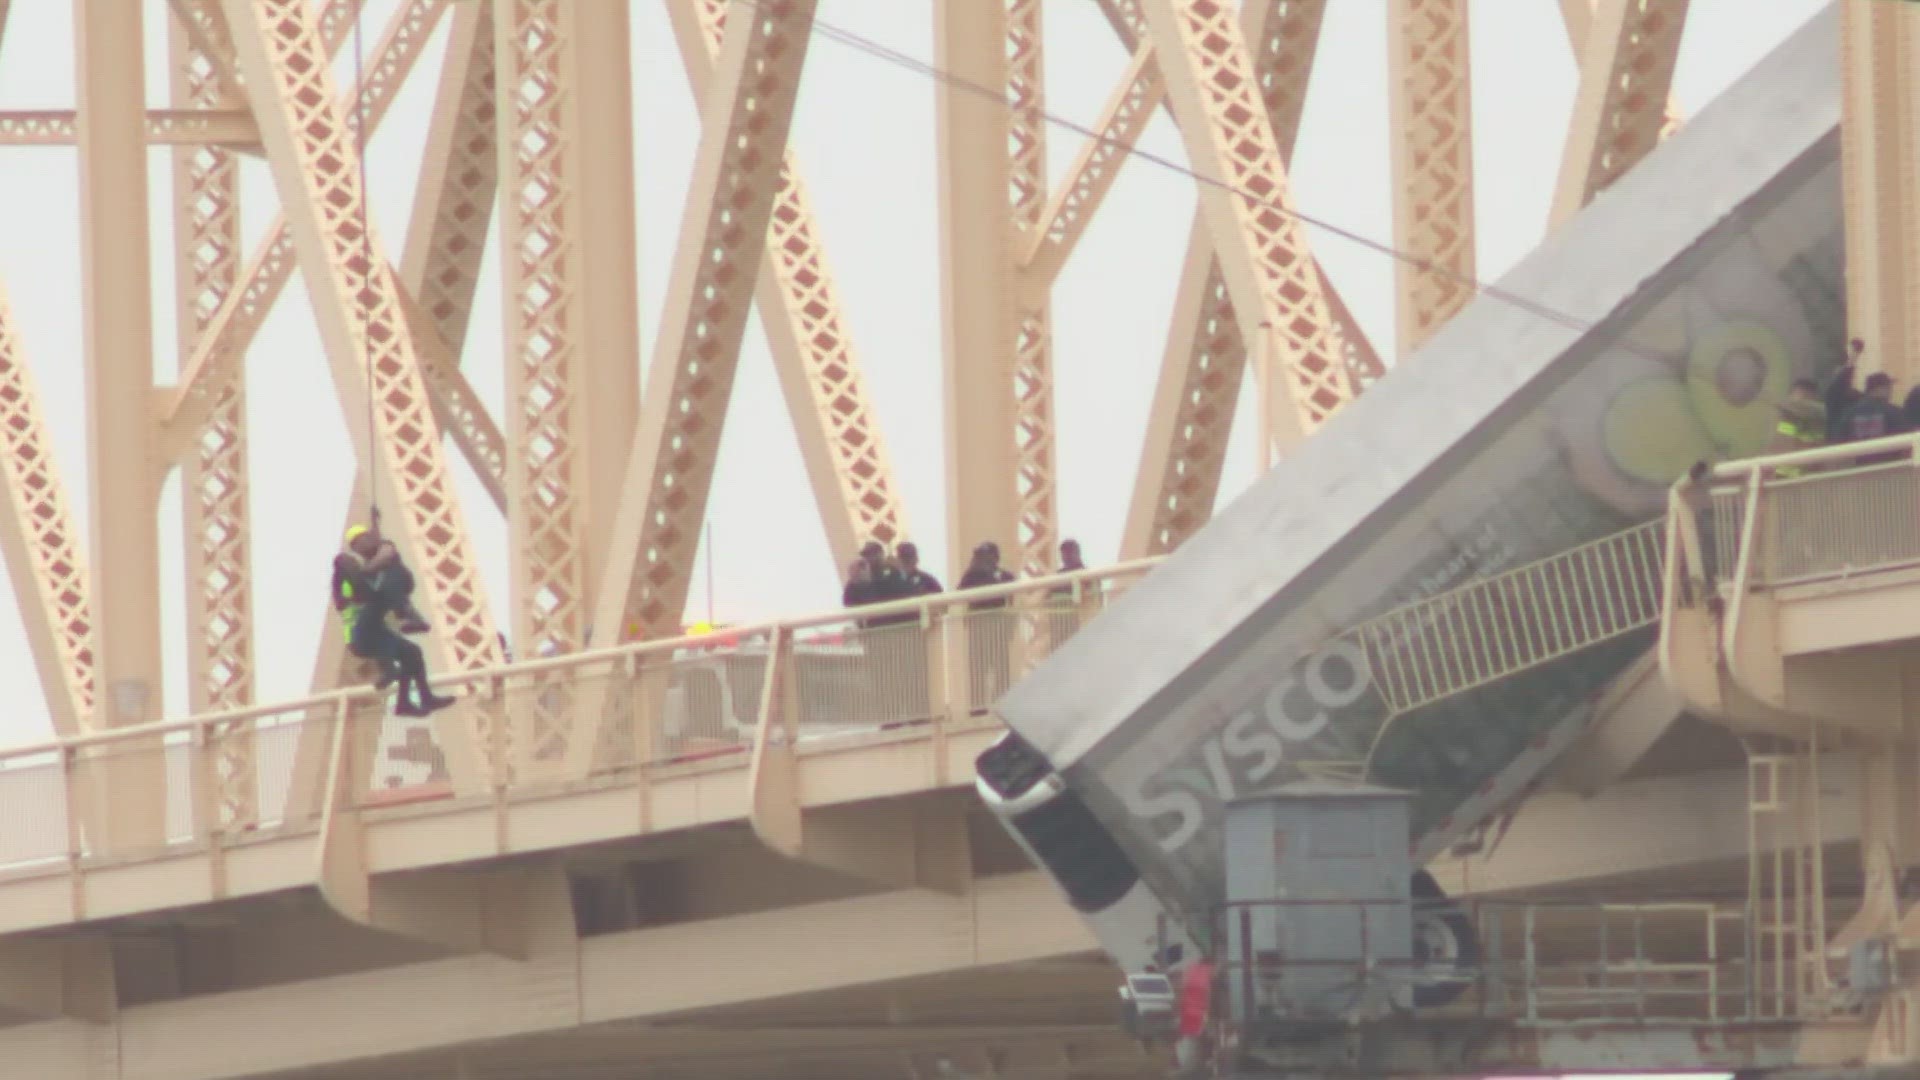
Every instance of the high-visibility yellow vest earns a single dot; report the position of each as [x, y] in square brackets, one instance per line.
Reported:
[350, 615]
[1799, 433]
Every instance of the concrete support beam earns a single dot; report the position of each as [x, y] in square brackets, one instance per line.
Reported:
[560, 988]
[903, 844]
[1560, 840]
[58, 976]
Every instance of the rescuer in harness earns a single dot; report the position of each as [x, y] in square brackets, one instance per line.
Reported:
[370, 583]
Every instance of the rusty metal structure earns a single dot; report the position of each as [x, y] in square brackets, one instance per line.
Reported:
[604, 484]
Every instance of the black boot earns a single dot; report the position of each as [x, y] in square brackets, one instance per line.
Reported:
[432, 703]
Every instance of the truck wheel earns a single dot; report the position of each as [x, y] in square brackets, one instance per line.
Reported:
[1446, 947]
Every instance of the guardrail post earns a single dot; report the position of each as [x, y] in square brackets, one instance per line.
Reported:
[341, 872]
[933, 652]
[77, 801]
[205, 789]
[773, 777]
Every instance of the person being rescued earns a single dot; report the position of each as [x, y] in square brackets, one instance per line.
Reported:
[369, 584]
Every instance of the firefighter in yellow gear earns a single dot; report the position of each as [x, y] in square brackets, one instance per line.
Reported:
[1801, 425]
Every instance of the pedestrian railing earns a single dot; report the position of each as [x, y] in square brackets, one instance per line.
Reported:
[1814, 515]
[692, 703]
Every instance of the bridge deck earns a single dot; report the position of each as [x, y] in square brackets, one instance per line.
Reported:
[689, 733]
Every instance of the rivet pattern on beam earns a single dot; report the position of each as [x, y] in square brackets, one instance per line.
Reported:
[223, 347]
[1245, 158]
[679, 437]
[214, 475]
[365, 293]
[1037, 525]
[1428, 64]
[1622, 109]
[540, 231]
[816, 323]
[40, 507]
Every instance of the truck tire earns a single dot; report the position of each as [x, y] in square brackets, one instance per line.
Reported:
[1446, 947]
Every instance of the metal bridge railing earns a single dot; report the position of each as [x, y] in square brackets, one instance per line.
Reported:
[692, 703]
[1813, 515]
[932, 666]
[1534, 963]
[1504, 625]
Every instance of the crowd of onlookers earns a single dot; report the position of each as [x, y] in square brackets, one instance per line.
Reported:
[878, 578]
[1845, 410]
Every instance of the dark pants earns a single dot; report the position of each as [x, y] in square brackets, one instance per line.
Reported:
[374, 640]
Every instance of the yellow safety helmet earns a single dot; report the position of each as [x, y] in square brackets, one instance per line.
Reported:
[354, 533]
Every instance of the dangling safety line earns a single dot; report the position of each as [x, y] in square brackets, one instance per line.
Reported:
[366, 253]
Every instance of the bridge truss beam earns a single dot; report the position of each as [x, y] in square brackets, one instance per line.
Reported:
[375, 359]
[669, 470]
[802, 316]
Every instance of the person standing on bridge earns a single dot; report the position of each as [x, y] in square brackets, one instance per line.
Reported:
[1801, 425]
[900, 651]
[1065, 601]
[370, 583]
[990, 629]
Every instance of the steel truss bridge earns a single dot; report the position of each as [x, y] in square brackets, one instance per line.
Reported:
[756, 849]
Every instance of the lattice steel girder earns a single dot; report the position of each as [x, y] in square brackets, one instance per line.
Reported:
[1577, 16]
[41, 546]
[1129, 108]
[978, 324]
[1620, 110]
[459, 177]
[572, 357]
[222, 349]
[440, 270]
[1431, 96]
[214, 483]
[1204, 365]
[1038, 524]
[165, 127]
[375, 362]
[1193, 404]
[800, 312]
[746, 112]
[1878, 45]
[205, 27]
[1249, 204]
[128, 793]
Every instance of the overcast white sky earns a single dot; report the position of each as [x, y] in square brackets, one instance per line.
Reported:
[864, 136]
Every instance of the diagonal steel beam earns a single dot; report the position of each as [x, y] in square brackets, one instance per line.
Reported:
[800, 311]
[1622, 108]
[42, 546]
[746, 114]
[440, 274]
[1260, 242]
[1430, 91]
[222, 348]
[312, 151]
[1204, 365]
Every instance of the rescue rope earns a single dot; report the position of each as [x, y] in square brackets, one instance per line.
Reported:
[366, 254]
